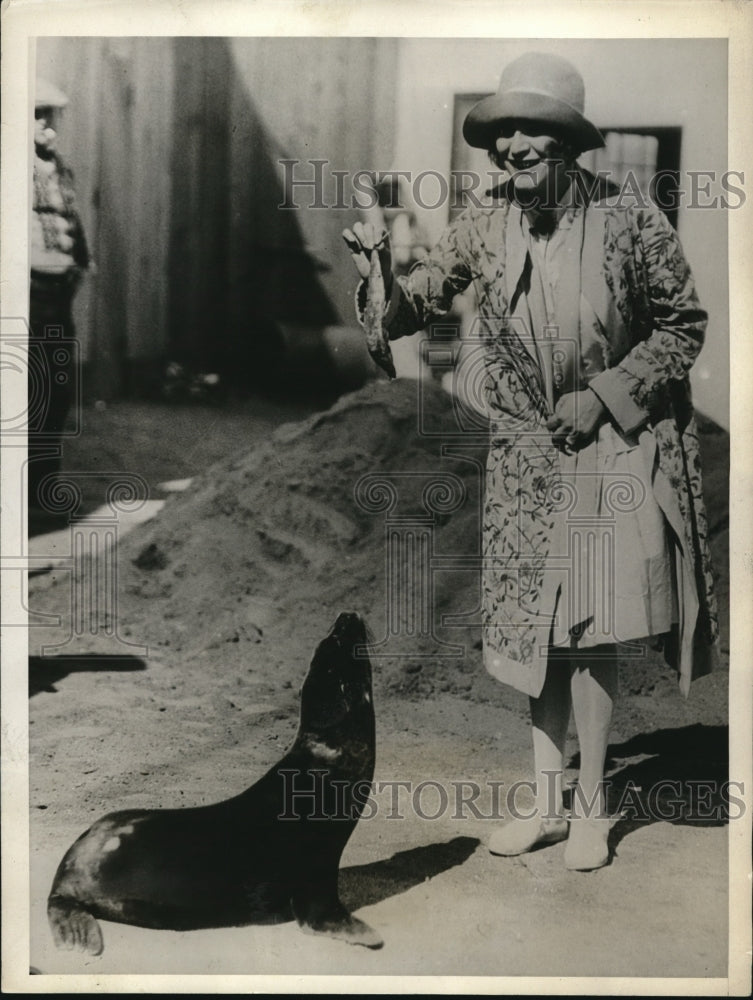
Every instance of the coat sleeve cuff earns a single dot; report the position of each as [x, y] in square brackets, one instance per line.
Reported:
[624, 410]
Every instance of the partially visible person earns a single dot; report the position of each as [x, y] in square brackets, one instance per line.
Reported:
[59, 256]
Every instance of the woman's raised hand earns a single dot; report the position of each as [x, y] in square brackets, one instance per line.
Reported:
[361, 241]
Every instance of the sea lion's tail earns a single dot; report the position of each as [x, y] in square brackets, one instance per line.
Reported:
[72, 926]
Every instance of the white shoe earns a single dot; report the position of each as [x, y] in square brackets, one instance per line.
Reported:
[521, 835]
[586, 847]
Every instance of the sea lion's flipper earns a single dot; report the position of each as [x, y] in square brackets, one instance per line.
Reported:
[73, 927]
[326, 915]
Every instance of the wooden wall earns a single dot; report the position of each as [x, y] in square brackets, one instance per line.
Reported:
[176, 144]
[116, 134]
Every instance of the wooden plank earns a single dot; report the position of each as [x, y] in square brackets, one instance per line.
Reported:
[200, 202]
[304, 99]
[149, 199]
[176, 144]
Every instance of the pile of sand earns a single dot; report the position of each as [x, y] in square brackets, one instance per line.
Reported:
[247, 570]
[253, 563]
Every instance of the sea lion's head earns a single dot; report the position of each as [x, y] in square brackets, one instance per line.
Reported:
[337, 688]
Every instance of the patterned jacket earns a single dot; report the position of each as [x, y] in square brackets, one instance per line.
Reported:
[636, 278]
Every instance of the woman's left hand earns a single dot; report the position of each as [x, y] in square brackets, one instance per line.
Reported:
[576, 418]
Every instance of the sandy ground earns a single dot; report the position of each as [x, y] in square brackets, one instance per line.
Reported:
[230, 606]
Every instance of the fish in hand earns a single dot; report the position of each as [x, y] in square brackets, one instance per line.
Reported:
[373, 316]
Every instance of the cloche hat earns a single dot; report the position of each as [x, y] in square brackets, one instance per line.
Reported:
[541, 87]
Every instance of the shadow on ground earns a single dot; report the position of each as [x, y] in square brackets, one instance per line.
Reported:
[42, 522]
[682, 778]
[46, 671]
[365, 885]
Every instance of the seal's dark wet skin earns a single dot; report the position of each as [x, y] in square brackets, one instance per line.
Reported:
[267, 855]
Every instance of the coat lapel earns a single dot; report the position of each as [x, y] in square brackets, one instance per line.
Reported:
[516, 252]
[593, 281]
[596, 287]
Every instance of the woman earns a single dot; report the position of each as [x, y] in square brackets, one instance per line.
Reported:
[594, 527]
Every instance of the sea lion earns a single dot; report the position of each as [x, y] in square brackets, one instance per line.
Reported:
[267, 855]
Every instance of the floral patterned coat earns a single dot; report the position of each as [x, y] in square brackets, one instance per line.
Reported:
[636, 278]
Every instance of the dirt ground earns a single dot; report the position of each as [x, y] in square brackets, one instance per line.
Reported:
[224, 595]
